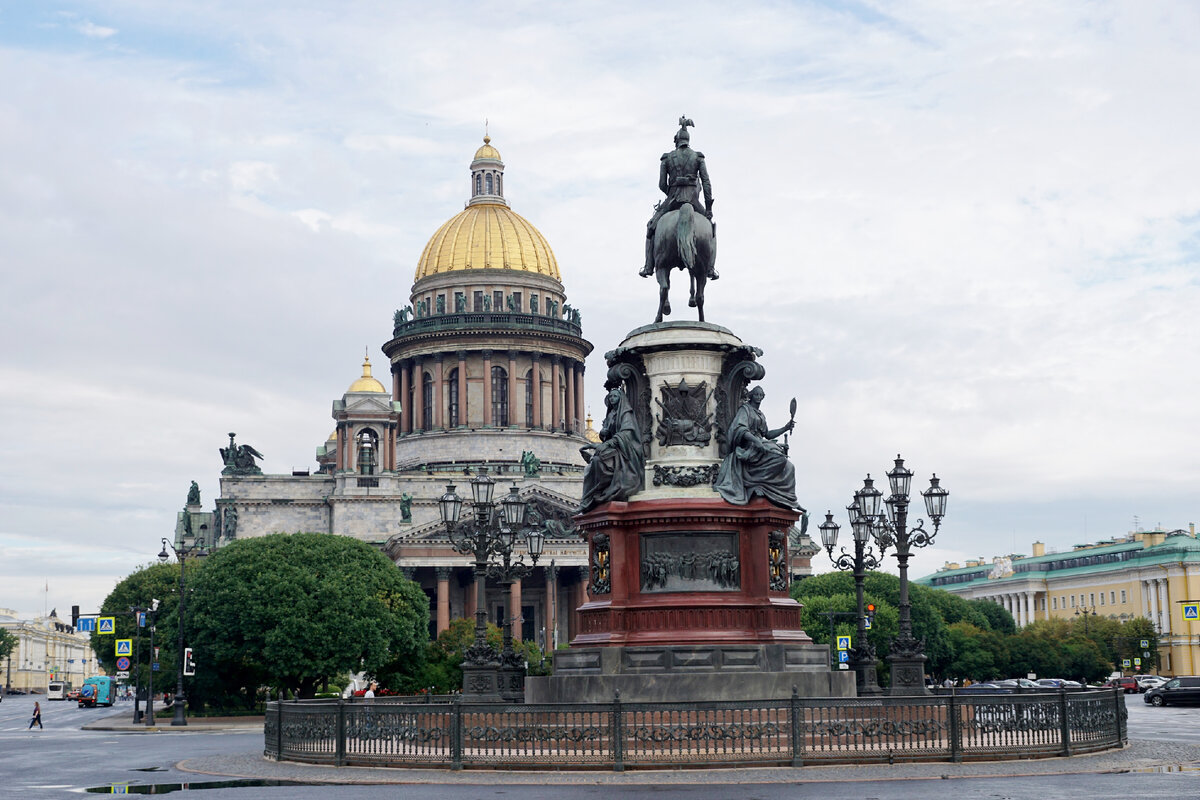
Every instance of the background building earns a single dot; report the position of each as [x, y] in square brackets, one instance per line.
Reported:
[47, 649]
[1144, 574]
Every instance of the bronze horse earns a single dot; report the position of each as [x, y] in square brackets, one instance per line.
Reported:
[683, 239]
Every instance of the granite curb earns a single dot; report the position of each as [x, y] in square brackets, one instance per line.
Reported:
[122, 723]
[1147, 756]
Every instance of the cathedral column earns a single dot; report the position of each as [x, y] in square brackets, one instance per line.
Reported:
[513, 415]
[462, 388]
[487, 388]
[580, 410]
[443, 598]
[1152, 593]
[569, 378]
[414, 387]
[470, 606]
[399, 390]
[514, 608]
[536, 387]
[551, 611]
[439, 412]
[556, 414]
[340, 456]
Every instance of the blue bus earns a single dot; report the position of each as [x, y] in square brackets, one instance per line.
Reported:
[99, 690]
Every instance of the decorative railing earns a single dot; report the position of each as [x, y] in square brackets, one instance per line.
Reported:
[616, 735]
[487, 321]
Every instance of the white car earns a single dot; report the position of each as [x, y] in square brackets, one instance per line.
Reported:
[1149, 682]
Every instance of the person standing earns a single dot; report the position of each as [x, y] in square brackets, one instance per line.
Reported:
[370, 693]
[37, 717]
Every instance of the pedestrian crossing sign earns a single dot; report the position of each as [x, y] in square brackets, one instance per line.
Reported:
[106, 625]
[1191, 611]
[867, 623]
[124, 647]
[1125, 663]
[843, 643]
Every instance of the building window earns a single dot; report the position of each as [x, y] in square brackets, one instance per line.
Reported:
[516, 296]
[1112, 598]
[367, 447]
[1102, 598]
[497, 301]
[1072, 601]
[1054, 603]
[452, 396]
[477, 302]
[1123, 597]
[1092, 600]
[529, 399]
[499, 396]
[489, 185]
[427, 401]
[478, 184]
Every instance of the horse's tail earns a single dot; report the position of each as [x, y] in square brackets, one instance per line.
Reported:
[685, 237]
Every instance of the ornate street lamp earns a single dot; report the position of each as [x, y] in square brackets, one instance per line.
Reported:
[906, 656]
[862, 654]
[182, 554]
[492, 533]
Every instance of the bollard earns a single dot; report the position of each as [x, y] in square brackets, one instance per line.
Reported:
[340, 756]
[617, 734]
[456, 735]
[797, 736]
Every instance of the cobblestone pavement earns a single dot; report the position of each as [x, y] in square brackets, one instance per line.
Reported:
[1138, 756]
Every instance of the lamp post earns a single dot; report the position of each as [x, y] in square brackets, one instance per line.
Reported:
[862, 654]
[491, 533]
[152, 619]
[182, 553]
[139, 613]
[906, 655]
[1087, 613]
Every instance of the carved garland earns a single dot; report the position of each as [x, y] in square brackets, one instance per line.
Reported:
[685, 476]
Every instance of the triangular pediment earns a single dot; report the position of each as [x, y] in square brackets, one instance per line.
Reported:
[372, 403]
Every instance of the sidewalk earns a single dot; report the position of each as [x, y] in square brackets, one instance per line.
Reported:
[123, 722]
[1139, 756]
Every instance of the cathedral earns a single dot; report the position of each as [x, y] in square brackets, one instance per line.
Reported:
[487, 370]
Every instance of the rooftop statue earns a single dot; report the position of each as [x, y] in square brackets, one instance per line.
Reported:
[616, 467]
[756, 465]
[681, 234]
[193, 498]
[239, 459]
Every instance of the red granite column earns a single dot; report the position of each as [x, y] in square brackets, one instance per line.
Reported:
[536, 387]
[443, 598]
[551, 611]
[414, 395]
[556, 414]
[513, 406]
[580, 404]
[487, 388]
[439, 413]
[572, 417]
[514, 613]
[470, 606]
[462, 388]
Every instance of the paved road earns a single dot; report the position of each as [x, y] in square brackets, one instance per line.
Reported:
[62, 760]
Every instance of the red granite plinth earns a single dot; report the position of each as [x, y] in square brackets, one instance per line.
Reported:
[631, 614]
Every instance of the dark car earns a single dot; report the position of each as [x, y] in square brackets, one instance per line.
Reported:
[984, 688]
[1184, 689]
[1128, 684]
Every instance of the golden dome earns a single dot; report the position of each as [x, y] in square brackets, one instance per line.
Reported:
[366, 383]
[487, 151]
[488, 236]
[589, 432]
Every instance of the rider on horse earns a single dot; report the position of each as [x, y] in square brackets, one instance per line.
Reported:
[679, 172]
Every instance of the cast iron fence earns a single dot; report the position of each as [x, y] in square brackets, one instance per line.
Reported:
[396, 732]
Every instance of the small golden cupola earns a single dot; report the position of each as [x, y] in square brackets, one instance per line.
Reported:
[366, 383]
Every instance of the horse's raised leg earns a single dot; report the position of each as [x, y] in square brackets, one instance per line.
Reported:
[700, 281]
[691, 290]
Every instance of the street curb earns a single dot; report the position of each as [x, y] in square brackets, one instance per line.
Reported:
[119, 723]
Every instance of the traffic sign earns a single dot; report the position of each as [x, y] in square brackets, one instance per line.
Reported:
[141, 619]
[85, 624]
[1145, 643]
[1137, 662]
[1191, 611]
[124, 647]
[867, 623]
[122, 675]
[154, 666]
[843, 666]
[843, 643]
[843, 657]
[1146, 654]
[1125, 663]
[123, 663]
[107, 625]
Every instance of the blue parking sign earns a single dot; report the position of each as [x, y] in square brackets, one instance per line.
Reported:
[843, 657]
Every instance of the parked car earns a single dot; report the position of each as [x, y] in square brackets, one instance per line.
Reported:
[1129, 684]
[1184, 689]
[984, 688]
[1146, 682]
[1018, 684]
[1059, 683]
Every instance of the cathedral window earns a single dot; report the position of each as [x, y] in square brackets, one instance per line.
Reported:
[427, 402]
[516, 296]
[529, 399]
[478, 184]
[452, 397]
[497, 301]
[489, 184]
[499, 396]
[367, 452]
[477, 302]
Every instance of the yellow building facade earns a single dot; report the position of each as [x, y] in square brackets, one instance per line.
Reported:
[1151, 574]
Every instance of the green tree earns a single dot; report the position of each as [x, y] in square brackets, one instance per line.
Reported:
[1126, 642]
[139, 589]
[294, 610]
[975, 653]
[8, 643]
[998, 619]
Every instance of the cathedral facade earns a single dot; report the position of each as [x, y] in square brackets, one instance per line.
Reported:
[486, 365]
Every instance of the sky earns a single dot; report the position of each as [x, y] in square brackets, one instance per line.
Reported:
[968, 233]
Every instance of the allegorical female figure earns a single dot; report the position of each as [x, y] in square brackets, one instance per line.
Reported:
[616, 468]
[756, 465]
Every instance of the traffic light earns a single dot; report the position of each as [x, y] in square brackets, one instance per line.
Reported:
[189, 666]
[74, 617]
[871, 611]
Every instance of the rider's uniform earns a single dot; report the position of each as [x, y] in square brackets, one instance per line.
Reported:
[681, 175]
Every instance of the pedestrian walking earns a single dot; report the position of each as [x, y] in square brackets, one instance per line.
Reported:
[37, 717]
